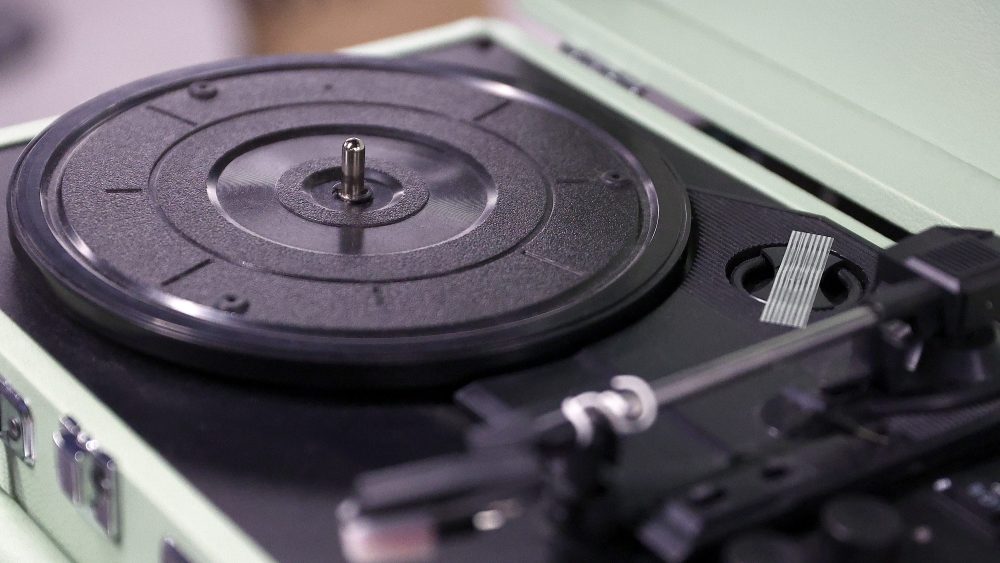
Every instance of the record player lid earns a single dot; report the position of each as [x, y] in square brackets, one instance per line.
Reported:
[891, 104]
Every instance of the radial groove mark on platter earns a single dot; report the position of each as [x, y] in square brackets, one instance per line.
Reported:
[171, 115]
[492, 110]
[183, 274]
[552, 263]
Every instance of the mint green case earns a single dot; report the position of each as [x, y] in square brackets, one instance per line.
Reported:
[890, 103]
[796, 84]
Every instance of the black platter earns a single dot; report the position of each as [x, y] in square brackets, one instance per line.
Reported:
[193, 215]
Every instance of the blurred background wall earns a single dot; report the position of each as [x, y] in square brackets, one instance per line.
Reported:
[284, 26]
[55, 54]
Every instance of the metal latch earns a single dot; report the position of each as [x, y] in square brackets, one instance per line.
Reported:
[87, 475]
[17, 430]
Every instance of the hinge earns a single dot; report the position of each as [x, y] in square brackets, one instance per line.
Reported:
[87, 476]
[620, 78]
[17, 429]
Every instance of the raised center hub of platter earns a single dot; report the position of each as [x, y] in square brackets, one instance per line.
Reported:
[393, 188]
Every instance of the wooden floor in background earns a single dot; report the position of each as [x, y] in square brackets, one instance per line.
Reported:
[303, 26]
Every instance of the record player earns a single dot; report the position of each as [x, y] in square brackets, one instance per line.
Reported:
[702, 282]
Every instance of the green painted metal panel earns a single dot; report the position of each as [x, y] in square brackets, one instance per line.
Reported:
[889, 103]
[21, 540]
[155, 501]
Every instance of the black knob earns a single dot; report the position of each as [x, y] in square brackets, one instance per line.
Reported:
[761, 547]
[861, 529]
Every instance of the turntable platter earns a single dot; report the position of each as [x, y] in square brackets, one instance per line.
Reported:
[207, 216]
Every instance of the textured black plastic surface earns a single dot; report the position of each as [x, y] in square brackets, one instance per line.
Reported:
[551, 230]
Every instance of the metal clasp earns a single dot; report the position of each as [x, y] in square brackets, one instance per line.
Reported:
[17, 429]
[87, 476]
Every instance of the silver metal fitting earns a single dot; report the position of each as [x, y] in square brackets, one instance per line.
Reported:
[17, 429]
[352, 169]
[88, 476]
[628, 407]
